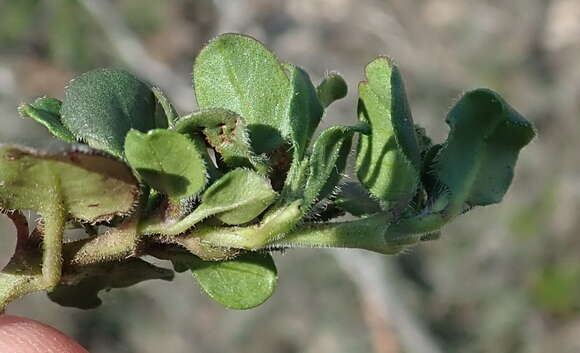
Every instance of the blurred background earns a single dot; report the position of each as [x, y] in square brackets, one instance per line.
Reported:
[504, 278]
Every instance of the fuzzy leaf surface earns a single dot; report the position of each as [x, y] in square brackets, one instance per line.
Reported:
[243, 283]
[332, 88]
[46, 111]
[305, 109]
[238, 73]
[167, 161]
[327, 162]
[388, 161]
[101, 106]
[354, 199]
[477, 161]
[90, 187]
[226, 132]
[165, 113]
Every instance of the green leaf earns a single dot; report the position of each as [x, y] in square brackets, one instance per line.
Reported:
[354, 199]
[225, 131]
[327, 162]
[238, 73]
[101, 106]
[92, 279]
[242, 195]
[332, 88]
[88, 187]
[46, 111]
[388, 161]
[243, 283]
[305, 110]
[236, 198]
[477, 161]
[165, 113]
[167, 161]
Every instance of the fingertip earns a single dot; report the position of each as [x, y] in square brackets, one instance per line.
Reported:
[19, 335]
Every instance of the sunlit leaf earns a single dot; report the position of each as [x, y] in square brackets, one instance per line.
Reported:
[238, 73]
[388, 160]
[167, 161]
[46, 111]
[101, 106]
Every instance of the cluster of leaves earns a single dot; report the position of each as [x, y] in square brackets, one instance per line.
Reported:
[216, 191]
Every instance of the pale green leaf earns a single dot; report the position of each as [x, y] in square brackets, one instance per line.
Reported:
[90, 187]
[243, 283]
[167, 161]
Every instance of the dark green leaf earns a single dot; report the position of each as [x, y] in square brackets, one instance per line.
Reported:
[332, 88]
[167, 161]
[239, 73]
[354, 199]
[101, 106]
[46, 111]
[477, 161]
[388, 160]
[243, 283]
[95, 278]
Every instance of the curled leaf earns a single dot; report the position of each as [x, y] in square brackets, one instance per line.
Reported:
[388, 161]
[332, 88]
[226, 133]
[90, 280]
[46, 111]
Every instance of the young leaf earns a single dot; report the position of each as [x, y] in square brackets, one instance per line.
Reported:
[477, 161]
[225, 131]
[167, 161]
[241, 194]
[327, 162]
[87, 187]
[165, 113]
[388, 160]
[305, 110]
[101, 106]
[236, 198]
[332, 88]
[239, 73]
[46, 111]
[243, 283]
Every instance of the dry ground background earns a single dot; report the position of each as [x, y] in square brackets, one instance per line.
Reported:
[505, 278]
